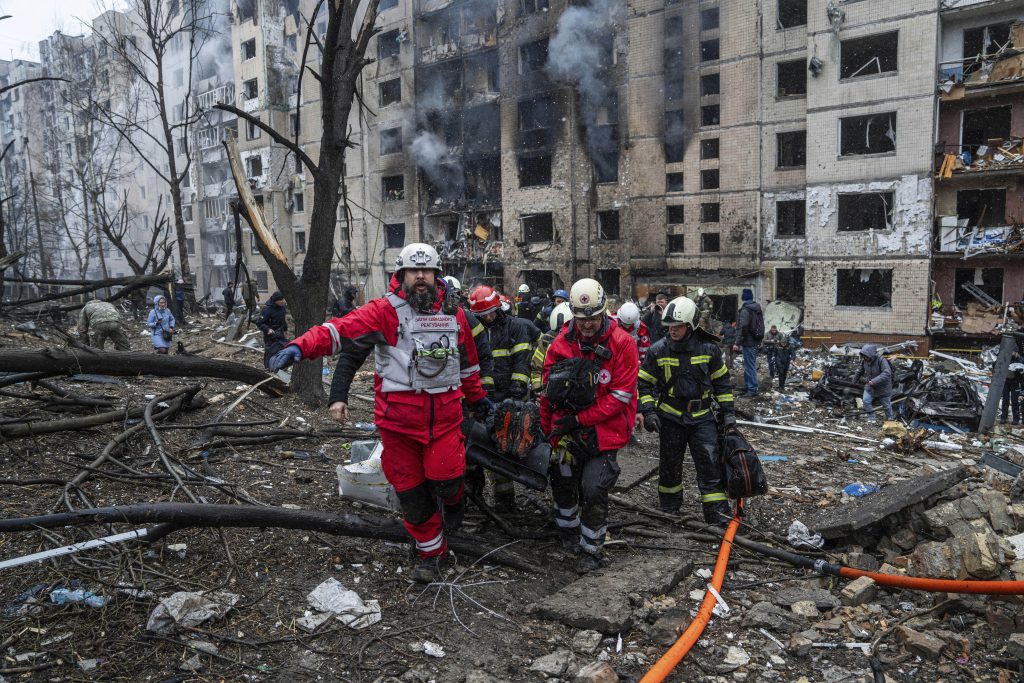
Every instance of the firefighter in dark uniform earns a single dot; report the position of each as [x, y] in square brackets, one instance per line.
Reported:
[483, 348]
[511, 344]
[680, 382]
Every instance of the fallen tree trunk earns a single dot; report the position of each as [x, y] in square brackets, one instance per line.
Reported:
[185, 515]
[127, 284]
[127, 364]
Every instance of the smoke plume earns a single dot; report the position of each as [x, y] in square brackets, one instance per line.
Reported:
[443, 170]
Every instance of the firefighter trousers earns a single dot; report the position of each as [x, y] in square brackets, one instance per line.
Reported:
[702, 439]
[580, 484]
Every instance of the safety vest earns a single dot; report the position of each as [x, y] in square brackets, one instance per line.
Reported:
[424, 357]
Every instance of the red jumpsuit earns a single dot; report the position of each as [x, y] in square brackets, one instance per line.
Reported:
[424, 455]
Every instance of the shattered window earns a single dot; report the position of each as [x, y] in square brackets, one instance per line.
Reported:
[391, 140]
[868, 134]
[389, 92]
[710, 242]
[709, 51]
[540, 227]
[865, 211]
[988, 280]
[792, 13]
[674, 214]
[250, 89]
[538, 279]
[982, 125]
[791, 218]
[674, 182]
[608, 225]
[984, 208]
[536, 113]
[676, 244]
[982, 41]
[300, 241]
[674, 151]
[710, 115]
[864, 287]
[388, 45]
[534, 170]
[709, 148]
[392, 188]
[789, 285]
[709, 19]
[709, 179]
[254, 166]
[710, 212]
[298, 202]
[869, 55]
[710, 84]
[609, 279]
[394, 235]
[791, 79]
[533, 56]
[248, 49]
[792, 152]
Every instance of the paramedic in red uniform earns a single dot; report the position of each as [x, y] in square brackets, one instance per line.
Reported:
[426, 363]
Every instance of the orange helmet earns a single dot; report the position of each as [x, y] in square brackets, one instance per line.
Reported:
[483, 300]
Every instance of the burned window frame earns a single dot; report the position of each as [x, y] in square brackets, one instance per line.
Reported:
[255, 88]
[781, 295]
[391, 141]
[965, 143]
[393, 194]
[526, 59]
[609, 227]
[886, 117]
[524, 158]
[798, 66]
[960, 275]
[244, 52]
[988, 219]
[791, 150]
[851, 70]
[710, 115]
[674, 181]
[384, 41]
[860, 299]
[710, 242]
[388, 84]
[675, 151]
[795, 208]
[858, 203]
[546, 227]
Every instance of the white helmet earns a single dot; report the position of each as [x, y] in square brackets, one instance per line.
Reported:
[700, 292]
[418, 255]
[524, 288]
[560, 315]
[587, 298]
[628, 314]
[680, 311]
[453, 283]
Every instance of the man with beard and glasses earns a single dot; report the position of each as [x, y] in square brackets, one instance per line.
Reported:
[425, 362]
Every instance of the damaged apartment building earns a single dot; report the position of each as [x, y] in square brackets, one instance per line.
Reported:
[979, 193]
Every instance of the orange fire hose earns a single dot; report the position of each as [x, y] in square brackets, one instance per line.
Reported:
[663, 667]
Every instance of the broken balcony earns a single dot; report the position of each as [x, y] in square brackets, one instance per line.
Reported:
[455, 30]
[464, 184]
[985, 143]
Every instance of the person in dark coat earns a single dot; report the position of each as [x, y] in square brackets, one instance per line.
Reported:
[346, 303]
[229, 299]
[876, 370]
[273, 323]
[728, 335]
[787, 352]
[652, 318]
[749, 339]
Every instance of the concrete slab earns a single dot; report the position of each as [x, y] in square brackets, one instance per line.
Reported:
[599, 601]
[839, 521]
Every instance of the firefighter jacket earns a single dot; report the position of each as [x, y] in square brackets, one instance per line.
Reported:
[639, 334]
[682, 380]
[537, 362]
[483, 349]
[417, 390]
[511, 341]
[614, 410]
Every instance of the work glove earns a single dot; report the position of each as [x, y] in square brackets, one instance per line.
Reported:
[517, 390]
[652, 422]
[482, 409]
[565, 425]
[285, 357]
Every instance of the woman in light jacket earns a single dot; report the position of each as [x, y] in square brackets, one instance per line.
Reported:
[161, 324]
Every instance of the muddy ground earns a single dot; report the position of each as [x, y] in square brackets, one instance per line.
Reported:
[485, 621]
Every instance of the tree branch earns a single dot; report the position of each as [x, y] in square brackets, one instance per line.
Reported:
[278, 138]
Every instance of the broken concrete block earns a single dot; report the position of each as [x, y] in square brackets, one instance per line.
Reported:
[998, 511]
[800, 643]
[775, 619]
[859, 591]
[822, 599]
[1015, 647]
[735, 657]
[980, 555]
[805, 609]
[597, 672]
[904, 538]
[585, 642]
[862, 561]
[921, 644]
[935, 560]
[554, 664]
[1004, 619]
[667, 628]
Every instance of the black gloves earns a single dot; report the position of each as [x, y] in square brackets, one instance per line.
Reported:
[482, 409]
[652, 422]
[565, 425]
[517, 390]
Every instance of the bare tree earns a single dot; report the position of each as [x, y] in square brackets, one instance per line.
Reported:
[146, 39]
[350, 25]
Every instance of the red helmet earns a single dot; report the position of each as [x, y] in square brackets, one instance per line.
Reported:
[483, 300]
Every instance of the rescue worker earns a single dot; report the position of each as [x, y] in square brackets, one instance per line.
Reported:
[587, 411]
[680, 382]
[100, 321]
[773, 342]
[628, 317]
[652, 318]
[706, 310]
[228, 294]
[524, 306]
[425, 363]
[543, 319]
[560, 315]
[273, 323]
[876, 369]
[483, 348]
[786, 355]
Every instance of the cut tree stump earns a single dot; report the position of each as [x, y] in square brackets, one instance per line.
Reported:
[127, 364]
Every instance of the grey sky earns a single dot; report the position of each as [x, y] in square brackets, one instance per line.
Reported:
[33, 20]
